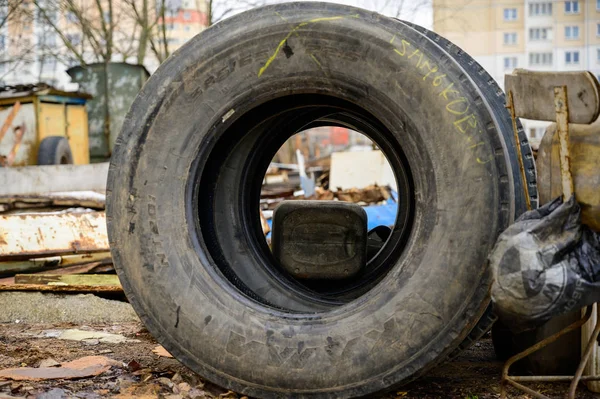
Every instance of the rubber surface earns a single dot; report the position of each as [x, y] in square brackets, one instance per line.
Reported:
[54, 150]
[167, 262]
[494, 95]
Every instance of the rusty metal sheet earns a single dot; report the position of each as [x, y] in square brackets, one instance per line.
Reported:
[26, 236]
[533, 94]
[19, 138]
[9, 119]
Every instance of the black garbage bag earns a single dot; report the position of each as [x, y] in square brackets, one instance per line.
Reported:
[545, 264]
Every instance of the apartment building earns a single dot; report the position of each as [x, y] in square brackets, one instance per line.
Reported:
[551, 35]
[32, 50]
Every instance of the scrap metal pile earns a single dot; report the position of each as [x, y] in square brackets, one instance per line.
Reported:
[55, 242]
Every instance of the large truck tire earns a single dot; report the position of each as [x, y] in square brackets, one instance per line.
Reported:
[183, 199]
[54, 150]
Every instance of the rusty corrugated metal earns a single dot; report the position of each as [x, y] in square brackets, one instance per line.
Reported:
[26, 236]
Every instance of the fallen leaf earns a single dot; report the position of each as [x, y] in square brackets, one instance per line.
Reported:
[84, 367]
[133, 365]
[160, 351]
[139, 391]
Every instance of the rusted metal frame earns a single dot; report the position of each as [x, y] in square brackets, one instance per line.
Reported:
[525, 389]
[584, 359]
[19, 133]
[511, 107]
[9, 120]
[507, 379]
[553, 378]
[562, 126]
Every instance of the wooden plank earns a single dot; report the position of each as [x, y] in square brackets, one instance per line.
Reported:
[533, 94]
[28, 236]
[93, 267]
[562, 125]
[61, 288]
[53, 178]
[95, 280]
[86, 199]
[52, 262]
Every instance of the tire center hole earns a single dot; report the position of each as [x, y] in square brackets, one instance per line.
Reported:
[316, 173]
[254, 164]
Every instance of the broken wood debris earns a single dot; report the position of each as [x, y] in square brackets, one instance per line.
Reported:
[79, 289]
[372, 194]
[85, 199]
[102, 266]
[94, 280]
[51, 263]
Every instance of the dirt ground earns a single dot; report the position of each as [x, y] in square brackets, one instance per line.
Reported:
[143, 374]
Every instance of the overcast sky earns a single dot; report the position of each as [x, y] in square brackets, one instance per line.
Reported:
[417, 11]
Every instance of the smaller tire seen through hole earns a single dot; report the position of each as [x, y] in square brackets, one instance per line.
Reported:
[237, 167]
[315, 175]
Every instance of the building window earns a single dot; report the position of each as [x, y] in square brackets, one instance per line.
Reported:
[510, 38]
[572, 7]
[572, 57]
[540, 33]
[510, 14]
[598, 55]
[50, 40]
[74, 39]
[537, 59]
[187, 16]
[510, 62]
[71, 17]
[537, 9]
[597, 5]
[48, 66]
[597, 29]
[571, 32]
[187, 28]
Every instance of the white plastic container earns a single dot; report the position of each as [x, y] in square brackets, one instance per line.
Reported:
[593, 365]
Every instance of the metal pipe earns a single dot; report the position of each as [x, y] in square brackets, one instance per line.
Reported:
[511, 108]
[508, 379]
[584, 359]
